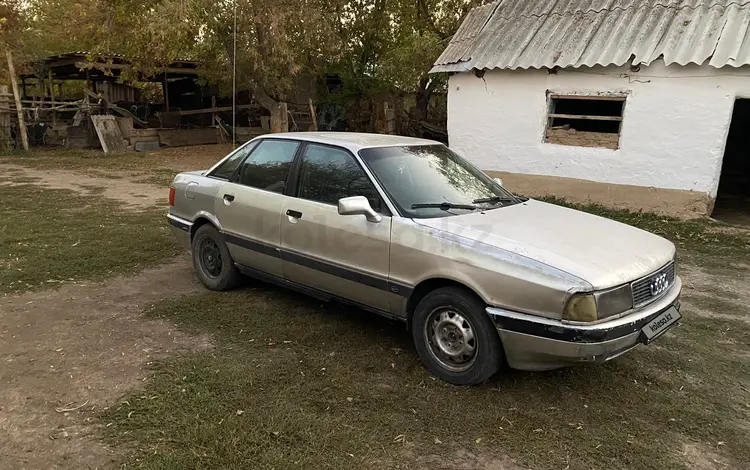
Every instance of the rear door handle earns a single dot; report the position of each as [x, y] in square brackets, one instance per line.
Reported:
[295, 214]
[229, 197]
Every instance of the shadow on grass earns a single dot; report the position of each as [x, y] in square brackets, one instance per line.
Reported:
[296, 384]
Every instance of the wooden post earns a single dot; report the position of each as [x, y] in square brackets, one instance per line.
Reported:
[17, 96]
[314, 118]
[43, 82]
[390, 119]
[52, 99]
[214, 121]
[165, 90]
[5, 138]
[23, 88]
[87, 114]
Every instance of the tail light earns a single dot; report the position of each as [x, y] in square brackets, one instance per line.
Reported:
[171, 196]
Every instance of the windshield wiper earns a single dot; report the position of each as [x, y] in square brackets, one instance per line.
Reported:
[494, 200]
[445, 206]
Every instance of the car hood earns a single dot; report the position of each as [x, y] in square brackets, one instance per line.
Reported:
[600, 251]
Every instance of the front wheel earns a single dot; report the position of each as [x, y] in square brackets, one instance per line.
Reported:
[455, 337]
[211, 259]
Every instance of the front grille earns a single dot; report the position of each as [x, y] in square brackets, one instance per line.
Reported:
[642, 288]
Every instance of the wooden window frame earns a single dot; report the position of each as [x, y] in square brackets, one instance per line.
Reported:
[606, 142]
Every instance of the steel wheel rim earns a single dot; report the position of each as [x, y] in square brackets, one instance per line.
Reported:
[210, 256]
[451, 339]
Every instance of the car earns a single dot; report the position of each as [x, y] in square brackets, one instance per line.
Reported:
[408, 229]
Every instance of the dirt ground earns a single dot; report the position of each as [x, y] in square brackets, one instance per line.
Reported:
[68, 353]
[123, 187]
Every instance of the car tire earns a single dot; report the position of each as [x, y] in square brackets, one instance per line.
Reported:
[455, 338]
[212, 262]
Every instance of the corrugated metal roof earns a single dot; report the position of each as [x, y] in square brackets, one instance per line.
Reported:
[521, 34]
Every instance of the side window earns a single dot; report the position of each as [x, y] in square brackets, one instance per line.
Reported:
[328, 174]
[268, 165]
[228, 166]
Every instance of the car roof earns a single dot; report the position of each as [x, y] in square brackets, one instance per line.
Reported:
[353, 140]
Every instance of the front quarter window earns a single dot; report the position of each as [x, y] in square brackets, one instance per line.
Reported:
[226, 169]
[432, 181]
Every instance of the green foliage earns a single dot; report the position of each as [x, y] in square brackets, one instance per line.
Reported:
[376, 46]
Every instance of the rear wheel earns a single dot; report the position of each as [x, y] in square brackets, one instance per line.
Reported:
[211, 259]
[455, 337]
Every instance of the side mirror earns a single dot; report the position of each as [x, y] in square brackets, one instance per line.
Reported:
[498, 181]
[358, 205]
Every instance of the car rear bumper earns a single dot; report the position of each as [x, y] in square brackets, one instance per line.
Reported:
[536, 343]
[181, 229]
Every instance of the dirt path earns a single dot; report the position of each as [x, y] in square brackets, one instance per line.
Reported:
[82, 348]
[123, 187]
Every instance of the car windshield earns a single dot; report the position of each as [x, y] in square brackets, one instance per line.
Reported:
[432, 181]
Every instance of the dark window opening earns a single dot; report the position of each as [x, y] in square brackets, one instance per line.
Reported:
[329, 174]
[585, 121]
[268, 165]
[229, 166]
[733, 199]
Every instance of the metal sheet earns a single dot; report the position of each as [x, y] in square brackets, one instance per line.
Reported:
[521, 34]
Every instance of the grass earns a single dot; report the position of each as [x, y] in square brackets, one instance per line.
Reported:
[50, 236]
[296, 384]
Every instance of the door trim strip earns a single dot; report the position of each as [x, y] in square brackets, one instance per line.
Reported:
[342, 272]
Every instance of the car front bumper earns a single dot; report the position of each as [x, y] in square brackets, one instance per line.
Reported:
[537, 343]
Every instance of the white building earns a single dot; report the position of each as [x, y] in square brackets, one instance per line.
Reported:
[629, 103]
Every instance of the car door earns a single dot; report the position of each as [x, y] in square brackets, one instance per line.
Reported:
[249, 205]
[344, 255]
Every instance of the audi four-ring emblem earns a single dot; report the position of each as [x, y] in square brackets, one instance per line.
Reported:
[659, 284]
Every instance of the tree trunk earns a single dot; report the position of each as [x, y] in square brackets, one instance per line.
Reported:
[423, 95]
[278, 115]
[17, 96]
[279, 119]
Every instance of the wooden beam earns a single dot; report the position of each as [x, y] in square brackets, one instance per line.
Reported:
[6, 142]
[52, 99]
[586, 117]
[165, 90]
[17, 96]
[51, 87]
[191, 112]
[51, 102]
[104, 66]
[87, 114]
[312, 115]
[588, 97]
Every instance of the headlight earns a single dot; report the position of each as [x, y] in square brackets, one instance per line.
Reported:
[581, 307]
[614, 301]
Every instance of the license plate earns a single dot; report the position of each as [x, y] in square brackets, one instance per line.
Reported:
[661, 323]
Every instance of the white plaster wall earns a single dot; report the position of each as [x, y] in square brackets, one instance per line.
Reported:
[675, 123]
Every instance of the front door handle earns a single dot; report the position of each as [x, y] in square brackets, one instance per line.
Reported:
[229, 197]
[295, 214]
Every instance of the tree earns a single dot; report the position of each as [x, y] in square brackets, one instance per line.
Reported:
[275, 40]
[426, 26]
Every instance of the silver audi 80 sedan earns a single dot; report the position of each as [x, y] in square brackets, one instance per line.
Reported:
[406, 228]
